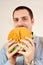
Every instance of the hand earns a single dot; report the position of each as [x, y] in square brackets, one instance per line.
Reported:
[29, 49]
[11, 55]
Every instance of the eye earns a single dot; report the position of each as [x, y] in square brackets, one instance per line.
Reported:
[15, 19]
[24, 18]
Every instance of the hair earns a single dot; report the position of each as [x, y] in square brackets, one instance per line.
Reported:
[21, 8]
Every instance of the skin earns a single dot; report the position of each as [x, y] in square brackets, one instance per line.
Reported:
[21, 19]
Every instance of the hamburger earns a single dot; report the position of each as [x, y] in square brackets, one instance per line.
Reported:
[19, 33]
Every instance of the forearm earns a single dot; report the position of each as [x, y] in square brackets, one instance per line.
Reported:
[27, 63]
[8, 63]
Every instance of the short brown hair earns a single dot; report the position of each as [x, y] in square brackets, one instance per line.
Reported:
[24, 7]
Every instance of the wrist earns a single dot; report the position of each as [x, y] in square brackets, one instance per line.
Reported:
[31, 63]
[27, 63]
[12, 63]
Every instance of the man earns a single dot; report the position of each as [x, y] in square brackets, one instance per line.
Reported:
[23, 17]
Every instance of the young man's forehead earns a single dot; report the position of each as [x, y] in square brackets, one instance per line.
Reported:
[21, 12]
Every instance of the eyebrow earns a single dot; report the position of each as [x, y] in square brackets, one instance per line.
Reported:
[24, 17]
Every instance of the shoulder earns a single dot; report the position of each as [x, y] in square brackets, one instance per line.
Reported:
[3, 56]
[38, 39]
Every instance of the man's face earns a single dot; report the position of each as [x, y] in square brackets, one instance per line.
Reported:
[23, 19]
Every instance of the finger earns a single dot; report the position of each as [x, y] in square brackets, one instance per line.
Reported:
[21, 52]
[24, 41]
[15, 51]
[9, 40]
[12, 47]
[30, 40]
[23, 47]
[10, 43]
[27, 43]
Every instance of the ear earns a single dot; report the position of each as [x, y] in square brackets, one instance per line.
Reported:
[32, 21]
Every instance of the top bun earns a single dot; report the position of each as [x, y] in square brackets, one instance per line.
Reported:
[19, 33]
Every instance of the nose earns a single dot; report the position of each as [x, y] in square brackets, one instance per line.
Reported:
[20, 22]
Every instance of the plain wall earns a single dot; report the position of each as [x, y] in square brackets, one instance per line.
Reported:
[6, 22]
